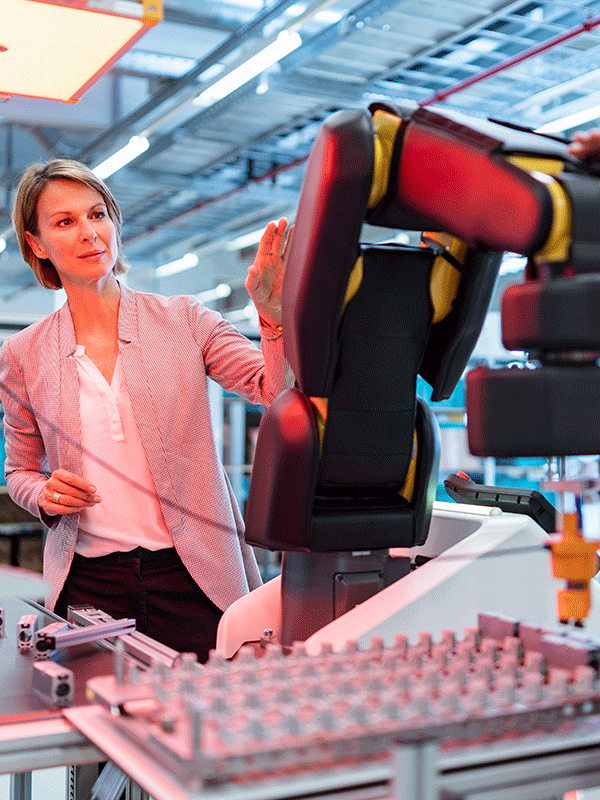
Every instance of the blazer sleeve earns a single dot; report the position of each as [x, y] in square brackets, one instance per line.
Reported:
[234, 362]
[26, 467]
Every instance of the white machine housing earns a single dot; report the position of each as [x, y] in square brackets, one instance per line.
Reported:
[482, 561]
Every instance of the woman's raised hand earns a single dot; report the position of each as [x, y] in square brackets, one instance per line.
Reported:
[265, 275]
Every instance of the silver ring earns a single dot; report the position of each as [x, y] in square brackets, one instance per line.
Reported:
[56, 497]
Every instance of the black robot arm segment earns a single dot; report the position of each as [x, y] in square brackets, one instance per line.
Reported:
[491, 186]
[324, 247]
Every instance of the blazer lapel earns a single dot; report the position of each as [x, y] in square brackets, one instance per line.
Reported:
[69, 415]
[145, 401]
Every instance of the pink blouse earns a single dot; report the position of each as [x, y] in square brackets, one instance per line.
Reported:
[114, 460]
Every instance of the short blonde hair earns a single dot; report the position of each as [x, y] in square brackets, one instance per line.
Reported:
[25, 218]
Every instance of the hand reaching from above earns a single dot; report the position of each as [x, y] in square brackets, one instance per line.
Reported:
[586, 145]
[265, 275]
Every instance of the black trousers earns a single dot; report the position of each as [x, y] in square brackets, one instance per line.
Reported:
[152, 587]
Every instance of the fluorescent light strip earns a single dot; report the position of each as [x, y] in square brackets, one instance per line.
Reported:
[134, 148]
[218, 293]
[2, 245]
[238, 314]
[246, 240]
[570, 121]
[286, 42]
[187, 261]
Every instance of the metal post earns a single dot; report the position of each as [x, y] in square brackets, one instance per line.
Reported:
[20, 786]
[135, 792]
[80, 780]
[489, 471]
[237, 447]
[111, 783]
[215, 400]
[415, 771]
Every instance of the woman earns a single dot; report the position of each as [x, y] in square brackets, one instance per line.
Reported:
[107, 423]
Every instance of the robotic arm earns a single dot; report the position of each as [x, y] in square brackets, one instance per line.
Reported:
[505, 189]
[346, 462]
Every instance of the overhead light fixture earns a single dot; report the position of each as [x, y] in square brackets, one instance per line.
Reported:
[246, 240]
[218, 293]
[570, 121]
[187, 261]
[56, 49]
[263, 86]
[2, 245]
[239, 314]
[134, 148]
[285, 43]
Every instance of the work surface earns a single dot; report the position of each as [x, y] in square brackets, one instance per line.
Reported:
[16, 696]
[482, 715]
[32, 735]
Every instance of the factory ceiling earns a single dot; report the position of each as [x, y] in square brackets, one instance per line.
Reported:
[217, 170]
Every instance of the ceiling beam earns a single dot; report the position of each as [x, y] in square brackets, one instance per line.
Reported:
[232, 43]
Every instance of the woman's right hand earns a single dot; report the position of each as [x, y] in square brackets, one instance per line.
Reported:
[66, 493]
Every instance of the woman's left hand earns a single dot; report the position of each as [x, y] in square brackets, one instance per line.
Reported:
[265, 275]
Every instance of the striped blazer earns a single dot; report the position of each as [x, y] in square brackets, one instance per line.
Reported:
[168, 347]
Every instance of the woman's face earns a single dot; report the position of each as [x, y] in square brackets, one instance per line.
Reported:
[75, 232]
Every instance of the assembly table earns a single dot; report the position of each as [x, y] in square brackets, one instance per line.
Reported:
[33, 736]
